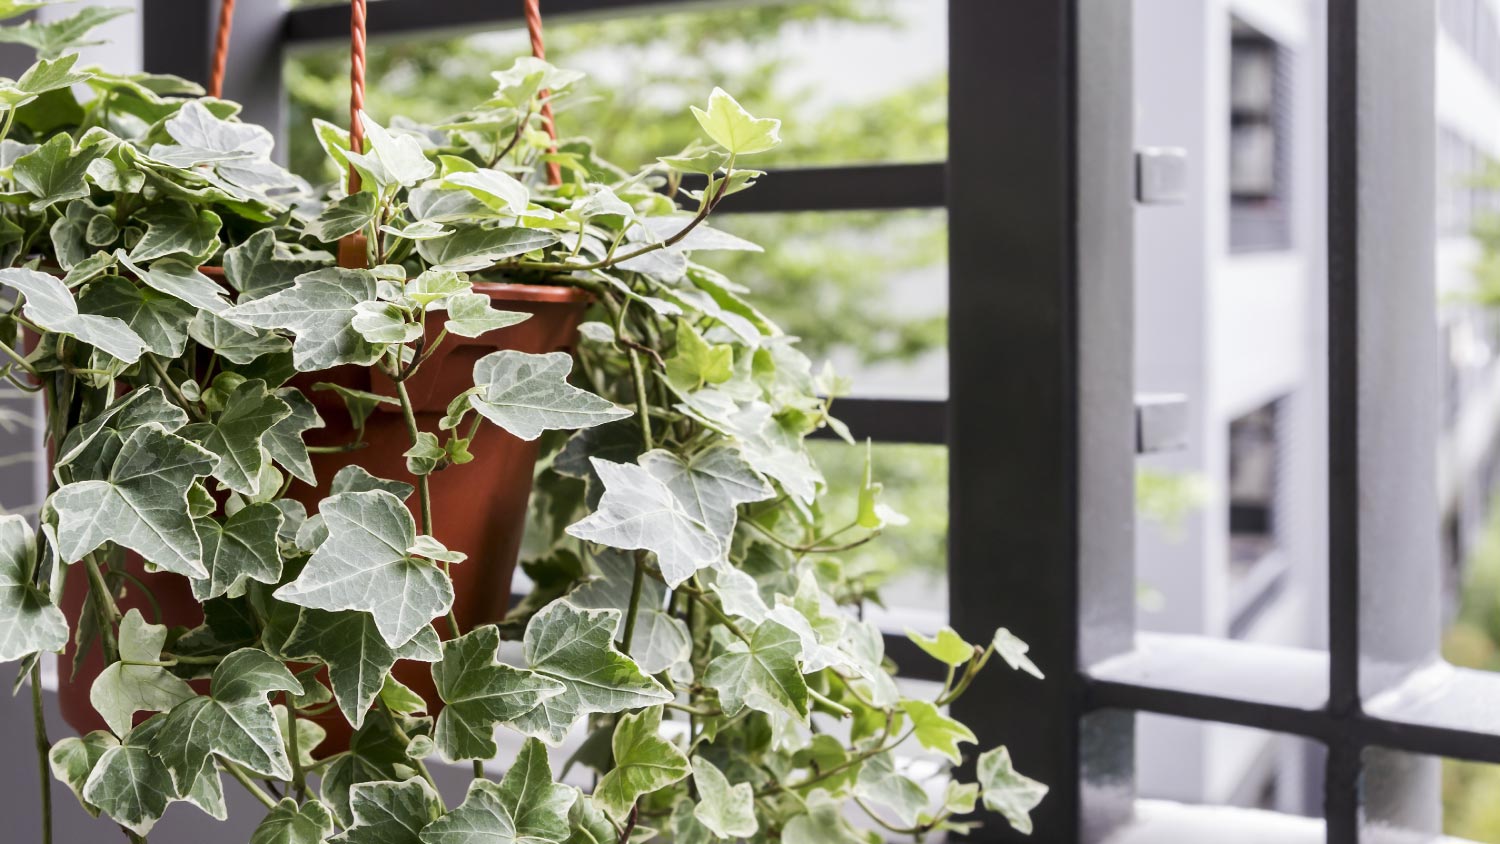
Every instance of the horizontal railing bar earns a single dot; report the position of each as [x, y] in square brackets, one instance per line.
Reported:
[915, 421]
[327, 22]
[854, 187]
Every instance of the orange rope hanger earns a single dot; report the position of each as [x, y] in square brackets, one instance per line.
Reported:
[357, 37]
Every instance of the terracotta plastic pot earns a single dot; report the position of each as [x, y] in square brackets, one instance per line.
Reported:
[479, 507]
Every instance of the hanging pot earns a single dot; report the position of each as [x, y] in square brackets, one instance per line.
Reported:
[479, 507]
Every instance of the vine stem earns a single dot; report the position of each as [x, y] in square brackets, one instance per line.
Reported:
[176, 391]
[299, 777]
[244, 779]
[642, 403]
[109, 614]
[478, 769]
[43, 745]
[636, 582]
[424, 489]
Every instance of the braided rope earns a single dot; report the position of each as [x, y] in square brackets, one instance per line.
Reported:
[356, 85]
[221, 49]
[539, 50]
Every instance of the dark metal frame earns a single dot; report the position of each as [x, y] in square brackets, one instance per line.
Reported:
[1041, 424]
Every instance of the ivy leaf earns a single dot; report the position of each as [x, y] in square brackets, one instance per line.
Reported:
[479, 692]
[946, 647]
[733, 128]
[89, 450]
[936, 731]
[710, 485]
[383, 322]
[40, 78]
[728, 811]
[1006, 791]
[178, 278]
[283, 442]
[131, 786]
[123, 689]
[638, 511]
[318, 309]
[359, 660]
[290, 823]
[53, 38]
[471, 248]
[235, 343]
[660, 640]
[158, 319]
[526, 807]
[239, 549]
[880, 782]
[576, 647]
[28, 620]
[762, 674]
[823, 823]
[50, 305]
[357, 479]
[470, 315]
[432, 288]
[366, 564]
[175, 227]
[141, 504]
[235, 435]
[644, 762]
[234, 721]
[696, 363]
[344, 217]
[73, 758]
[391, 812]
[262, 265]
[527, 394]
[1011, 649]
[377, 752]
[424, 455]
[498, 190]
[53, 172]
[390, 159]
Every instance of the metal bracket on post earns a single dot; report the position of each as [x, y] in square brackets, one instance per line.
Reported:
[1161, 422]
[1161, 175]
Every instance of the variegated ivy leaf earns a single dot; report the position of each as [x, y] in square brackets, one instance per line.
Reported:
[762, 674]
[383, 322]
[141, 504]
[28, 620]
[54, 172]
[823, 823]
[50, 305]
[366, 564]
[479, 693]
[359, 660]
[576, 647]
[241, 548]
[234, 721]
[358, 479]
[527, 394]
[175, 227]
[431, 288]
[946, 647]
[89, 450]
[936, 731]
[526, 807]
[250, 173]
[344, 217]
[130, 785]
[880, 783]
[262, 265]
[284, 441]
[390, 158]
[40, 78]
[133, 684]
[728, 811]
[470, 315]
[290, 823]
[864, 647]
[639, 511]
[660, 640]
[235, 435]
[73, 758]
[733, 128]
[158, 319]
[498, 190]
[710, 484]
[377, 752]
[235, 343]
[425, 454]
[179, 279]
[643, 762]
[773, 449]
[1006, 791]
[319, 310]
[1011, 649]
[471, 248]
[391, 812]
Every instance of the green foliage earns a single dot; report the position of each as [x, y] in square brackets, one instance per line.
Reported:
[695, 607]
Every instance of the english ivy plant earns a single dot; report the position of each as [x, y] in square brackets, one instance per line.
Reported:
[691, 634]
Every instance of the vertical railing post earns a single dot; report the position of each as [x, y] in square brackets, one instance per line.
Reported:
[1041, 448]
[178, 38]
[1384, 560]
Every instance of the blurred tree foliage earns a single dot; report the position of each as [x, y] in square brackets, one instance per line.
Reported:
[1470, 810]
[824, 276]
